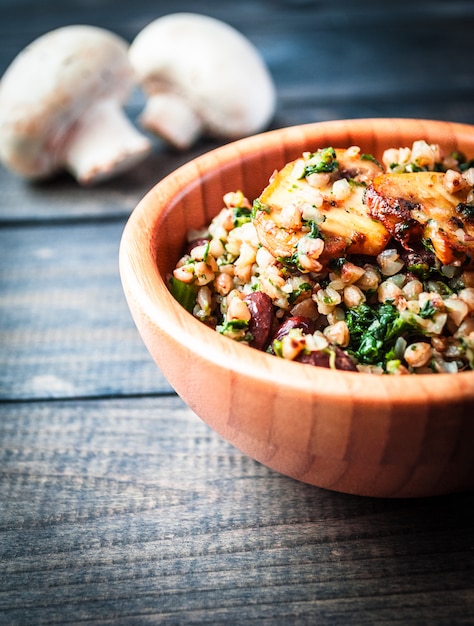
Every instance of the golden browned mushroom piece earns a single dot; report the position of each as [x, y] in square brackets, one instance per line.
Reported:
[418, 206]
[314, 208]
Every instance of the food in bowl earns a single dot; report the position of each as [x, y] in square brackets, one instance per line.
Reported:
[344, 262]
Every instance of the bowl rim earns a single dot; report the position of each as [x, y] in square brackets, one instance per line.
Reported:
[149, 293]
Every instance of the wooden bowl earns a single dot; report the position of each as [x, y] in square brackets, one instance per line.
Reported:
[386, 436]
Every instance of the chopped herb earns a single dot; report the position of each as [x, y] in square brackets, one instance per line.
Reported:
[235, 329]
[428, 244]
[421, 270]
[322, 161]
[356, 183]
[185, 293]
[314, 231]
[291, 262]
[337, 263]
[297, 292]
[374, 332]
[276, 348]
[233, 325]
[259, 206]
[438, 286]
[370, 157]
[427, 310]
[393, 366]
[466, 211]
[240, 216]
[413, 167]
[403, 228]
[206, 251]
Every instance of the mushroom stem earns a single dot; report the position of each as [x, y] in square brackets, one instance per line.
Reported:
[102, 143]
[171, 117]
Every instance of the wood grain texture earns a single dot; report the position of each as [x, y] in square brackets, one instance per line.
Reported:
[117, 504]
[134, 511]
[66, 330]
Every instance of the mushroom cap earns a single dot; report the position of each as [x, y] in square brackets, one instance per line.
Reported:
[215, 68]
[47, 88]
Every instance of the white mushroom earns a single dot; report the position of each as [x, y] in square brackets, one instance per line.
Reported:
[61, 107]
[201, 76]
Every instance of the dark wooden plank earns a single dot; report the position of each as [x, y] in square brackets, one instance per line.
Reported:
[61, 198]
[366, 47]
[65, 327]
[129, 511]
[328, 61]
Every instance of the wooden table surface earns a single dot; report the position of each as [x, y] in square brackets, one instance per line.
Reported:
[117, 504]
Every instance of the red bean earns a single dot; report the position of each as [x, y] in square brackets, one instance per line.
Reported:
[298, 321]
[261, 320]
[321, 358]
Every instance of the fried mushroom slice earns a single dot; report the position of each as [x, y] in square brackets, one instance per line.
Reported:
[301, 199]
[418, 206]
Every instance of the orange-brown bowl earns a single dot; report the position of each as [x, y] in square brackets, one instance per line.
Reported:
[386, 436]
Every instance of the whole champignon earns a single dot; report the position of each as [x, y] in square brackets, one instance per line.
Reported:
[61, 107]
[201, 76]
